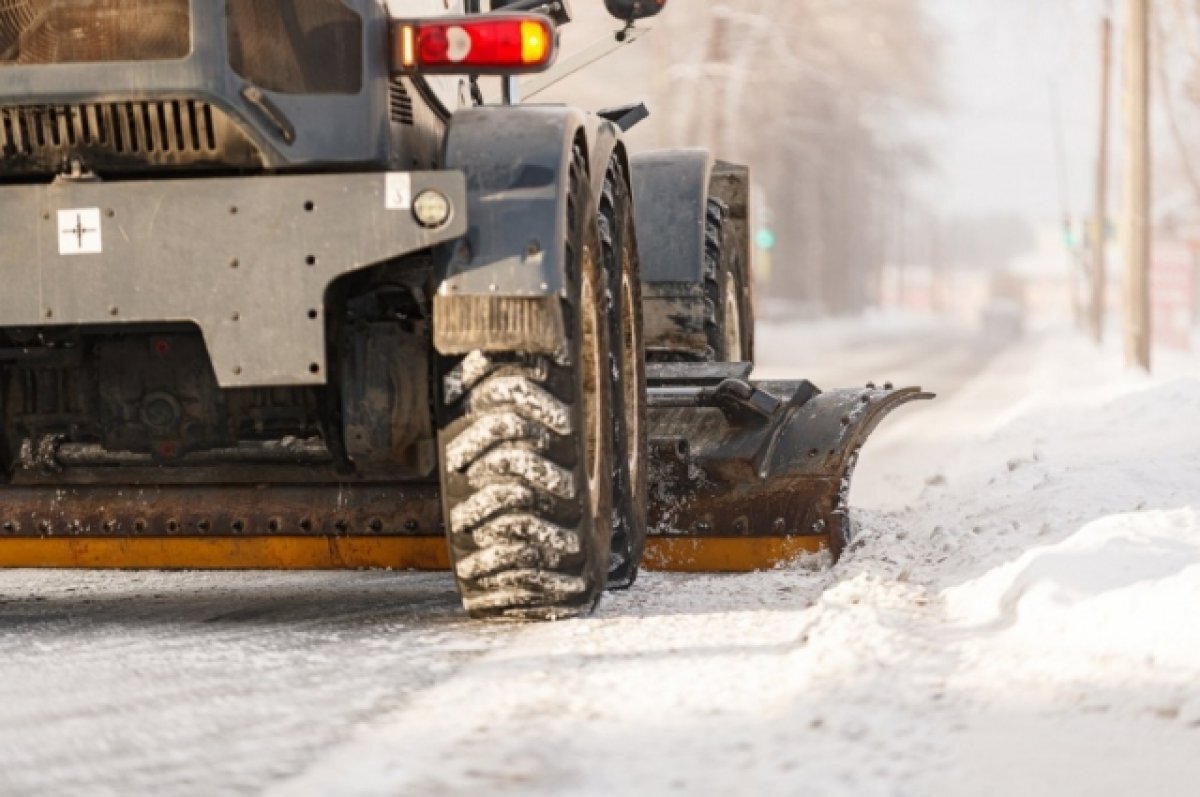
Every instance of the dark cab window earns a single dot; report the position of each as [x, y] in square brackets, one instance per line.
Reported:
[37, 32]
[296, 46]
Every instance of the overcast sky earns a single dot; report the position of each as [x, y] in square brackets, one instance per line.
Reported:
[994, 142]
[996, 139]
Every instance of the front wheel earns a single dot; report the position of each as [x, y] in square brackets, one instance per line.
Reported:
[630, 434]
[527, 452]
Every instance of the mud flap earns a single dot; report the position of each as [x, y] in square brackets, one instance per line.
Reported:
[748, 475]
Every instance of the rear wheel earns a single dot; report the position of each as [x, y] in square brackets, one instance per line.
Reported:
[731, 322]
[527, 452]
[728, 325]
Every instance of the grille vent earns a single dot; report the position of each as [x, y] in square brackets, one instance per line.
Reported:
[400, 102]
[126, 128]
[121, 137]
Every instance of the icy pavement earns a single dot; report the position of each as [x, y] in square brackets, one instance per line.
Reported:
[1016, 618]
[207, 683]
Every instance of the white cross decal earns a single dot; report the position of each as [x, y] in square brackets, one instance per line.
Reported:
[79, 232]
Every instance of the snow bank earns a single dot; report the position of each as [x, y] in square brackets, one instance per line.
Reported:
[1076, 440]
[1063, 545]
[1111, 607]
[1132, 576]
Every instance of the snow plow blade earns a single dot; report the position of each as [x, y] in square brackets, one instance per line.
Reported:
[749, 475]
[744, 476]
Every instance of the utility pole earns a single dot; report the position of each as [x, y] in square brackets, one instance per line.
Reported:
[1100, 215]
[1137, 221]
[718, 60]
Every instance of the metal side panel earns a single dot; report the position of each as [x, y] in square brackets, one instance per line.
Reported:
[247, 259]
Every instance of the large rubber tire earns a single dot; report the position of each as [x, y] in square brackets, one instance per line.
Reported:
[630, 439]
[526, 448]
[729, 324]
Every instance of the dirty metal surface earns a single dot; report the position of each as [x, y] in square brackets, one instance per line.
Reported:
[518, 159]
[726, 554]
[675, 317]
[730, 491]
[385, 412]
[671, 189]
[695, 374]
[721, 475]
[219, 511]
[247, 259]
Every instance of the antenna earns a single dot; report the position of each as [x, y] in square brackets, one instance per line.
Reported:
[602, 48]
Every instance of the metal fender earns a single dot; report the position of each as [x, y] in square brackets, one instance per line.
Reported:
[670, 190]
[501, 286]
[603, 139]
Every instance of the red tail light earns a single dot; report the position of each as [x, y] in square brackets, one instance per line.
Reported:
[502, 44]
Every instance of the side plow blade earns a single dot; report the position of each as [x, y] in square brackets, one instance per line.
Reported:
[744, 476]
[223, 527]
[749, 475]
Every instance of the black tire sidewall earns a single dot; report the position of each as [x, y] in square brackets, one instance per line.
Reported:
[596, 524]
[631, 443]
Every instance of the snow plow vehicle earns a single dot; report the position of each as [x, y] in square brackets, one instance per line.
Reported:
[282, 291]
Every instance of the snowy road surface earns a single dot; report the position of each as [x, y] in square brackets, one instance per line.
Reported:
[1017, 618]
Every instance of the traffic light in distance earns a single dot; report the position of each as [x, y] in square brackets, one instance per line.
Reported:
[765, 239]
[1070, 235]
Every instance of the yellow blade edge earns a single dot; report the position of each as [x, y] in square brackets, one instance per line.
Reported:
[726, 554]
[228, 553]
[664, 554]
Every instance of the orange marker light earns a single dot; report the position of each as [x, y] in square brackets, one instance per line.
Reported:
[407, 46]
[535, 43]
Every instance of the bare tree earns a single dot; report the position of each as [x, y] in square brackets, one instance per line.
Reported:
[811, 93]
